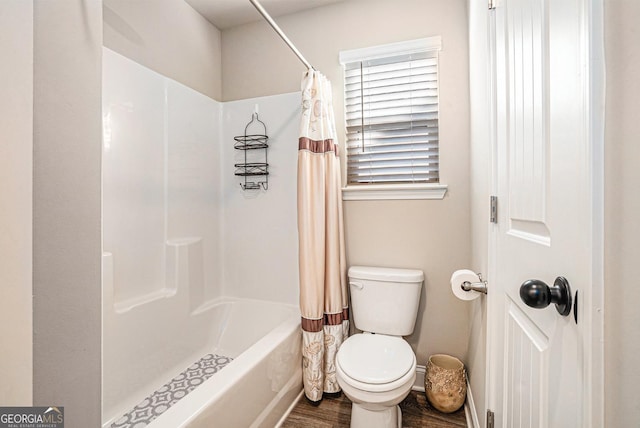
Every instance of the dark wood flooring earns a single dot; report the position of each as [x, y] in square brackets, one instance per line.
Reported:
[336, 413]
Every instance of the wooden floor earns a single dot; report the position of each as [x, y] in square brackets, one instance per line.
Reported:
[336, 413]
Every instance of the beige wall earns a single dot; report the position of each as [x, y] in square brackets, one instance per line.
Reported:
[169, 37]
[481, 168]
[16, 147]
[622, 212]
[66, 208]
[428, 235]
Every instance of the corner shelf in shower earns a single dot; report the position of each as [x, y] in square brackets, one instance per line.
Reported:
[250, 142]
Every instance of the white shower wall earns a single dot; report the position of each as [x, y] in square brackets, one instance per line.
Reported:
[133, 176]
[161, 180]
[179, 234]
[260, 233]
[168, 181]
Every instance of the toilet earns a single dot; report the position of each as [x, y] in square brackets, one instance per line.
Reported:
[377, 368]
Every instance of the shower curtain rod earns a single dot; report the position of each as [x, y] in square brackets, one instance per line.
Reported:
[277, 29]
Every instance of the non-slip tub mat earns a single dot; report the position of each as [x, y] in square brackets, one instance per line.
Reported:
[170, 393]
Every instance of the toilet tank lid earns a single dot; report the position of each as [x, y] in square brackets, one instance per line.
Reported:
[385, 274]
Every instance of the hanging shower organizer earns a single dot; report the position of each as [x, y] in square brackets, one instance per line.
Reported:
[253, 142]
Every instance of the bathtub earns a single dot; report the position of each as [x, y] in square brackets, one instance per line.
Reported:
[260, 384]
[262, 381]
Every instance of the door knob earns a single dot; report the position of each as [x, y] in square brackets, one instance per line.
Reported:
[537, 294]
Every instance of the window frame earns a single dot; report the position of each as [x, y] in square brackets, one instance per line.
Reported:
[392, 191]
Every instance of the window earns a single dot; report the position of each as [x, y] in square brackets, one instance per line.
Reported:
[391, 114]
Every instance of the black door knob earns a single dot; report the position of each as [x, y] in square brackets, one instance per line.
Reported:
[537, 294]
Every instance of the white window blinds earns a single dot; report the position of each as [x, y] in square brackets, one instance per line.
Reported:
[391, 108]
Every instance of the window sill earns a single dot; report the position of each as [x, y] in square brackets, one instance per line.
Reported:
[393, 192]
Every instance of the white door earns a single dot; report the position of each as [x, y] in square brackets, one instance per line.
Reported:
[541, 361]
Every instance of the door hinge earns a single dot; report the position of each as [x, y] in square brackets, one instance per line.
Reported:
[493, 213]
[492, 4]
[490, 419]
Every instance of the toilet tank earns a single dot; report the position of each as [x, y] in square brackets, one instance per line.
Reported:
[385, 300]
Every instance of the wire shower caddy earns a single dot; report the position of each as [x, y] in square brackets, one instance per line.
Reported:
[249, 142]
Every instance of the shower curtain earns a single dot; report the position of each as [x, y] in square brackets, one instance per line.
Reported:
[323, 290]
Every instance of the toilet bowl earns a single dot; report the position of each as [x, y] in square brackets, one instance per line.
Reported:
[376, 372]
[376, 369]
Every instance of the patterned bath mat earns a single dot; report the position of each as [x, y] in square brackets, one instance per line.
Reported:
[169, 394]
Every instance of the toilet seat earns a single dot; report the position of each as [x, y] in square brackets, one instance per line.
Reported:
[376, 362]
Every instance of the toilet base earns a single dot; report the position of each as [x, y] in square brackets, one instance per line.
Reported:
[387, 417]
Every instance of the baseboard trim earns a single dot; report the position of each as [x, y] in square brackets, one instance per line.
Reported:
[418, 384]
[470, 411]
[289, 410]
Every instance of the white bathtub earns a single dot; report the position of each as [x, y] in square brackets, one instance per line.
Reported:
[262, 381]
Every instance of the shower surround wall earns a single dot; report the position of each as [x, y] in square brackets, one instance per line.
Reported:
[260, 232]
[162, 183]
[180, 236]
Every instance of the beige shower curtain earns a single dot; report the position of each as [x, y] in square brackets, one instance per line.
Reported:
[323, 290]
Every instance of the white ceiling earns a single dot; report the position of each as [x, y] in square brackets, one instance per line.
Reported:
[229, 13]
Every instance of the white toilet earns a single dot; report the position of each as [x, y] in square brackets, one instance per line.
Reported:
[377, 368]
